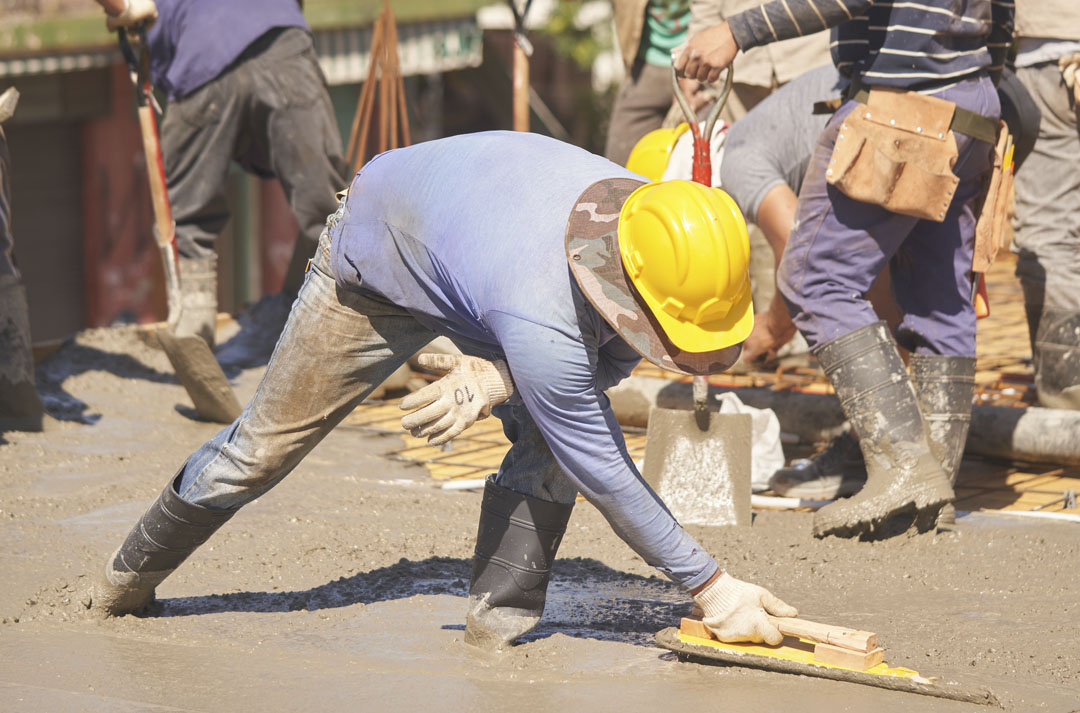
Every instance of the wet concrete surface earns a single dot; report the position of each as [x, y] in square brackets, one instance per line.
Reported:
[344, 588]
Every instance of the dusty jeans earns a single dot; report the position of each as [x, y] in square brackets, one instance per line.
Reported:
[337, 346]
[270, 112]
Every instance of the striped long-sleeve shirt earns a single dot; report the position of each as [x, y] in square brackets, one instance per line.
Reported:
[911, 44]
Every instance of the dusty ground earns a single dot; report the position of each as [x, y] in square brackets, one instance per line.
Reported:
[343, 589]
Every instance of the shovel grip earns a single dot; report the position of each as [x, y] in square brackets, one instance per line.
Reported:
[702, 170]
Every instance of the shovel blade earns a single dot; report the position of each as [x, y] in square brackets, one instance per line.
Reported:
[702, 474]
[201, 376]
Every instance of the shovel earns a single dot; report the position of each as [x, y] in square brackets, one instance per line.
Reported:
[190, 356]
[699, 461]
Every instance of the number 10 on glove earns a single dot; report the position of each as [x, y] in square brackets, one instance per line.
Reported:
[442, 410]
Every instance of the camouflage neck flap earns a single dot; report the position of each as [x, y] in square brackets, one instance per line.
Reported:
[592, 248]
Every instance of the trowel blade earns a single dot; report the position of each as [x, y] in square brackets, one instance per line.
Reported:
[201, 376]
[703, 475]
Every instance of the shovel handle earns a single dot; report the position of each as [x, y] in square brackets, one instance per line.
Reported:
[165, 228]
[702, 136]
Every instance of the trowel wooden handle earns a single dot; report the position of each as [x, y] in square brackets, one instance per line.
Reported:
[826, 633]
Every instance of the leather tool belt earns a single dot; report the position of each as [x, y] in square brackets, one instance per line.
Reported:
[993, 228]
[897, 150]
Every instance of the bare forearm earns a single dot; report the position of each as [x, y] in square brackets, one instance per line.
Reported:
[776, 215]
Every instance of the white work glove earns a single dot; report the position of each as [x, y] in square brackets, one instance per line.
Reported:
[1070, 72]
[736, 611]
[445, 408]
[135, 12]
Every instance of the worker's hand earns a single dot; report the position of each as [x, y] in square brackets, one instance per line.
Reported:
[1070, 72]
[736, 611]
[707, 54]
[772, 330]
[445, 408]
[135, 12]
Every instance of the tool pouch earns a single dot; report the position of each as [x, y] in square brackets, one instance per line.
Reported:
[897, 151]
[993, 228]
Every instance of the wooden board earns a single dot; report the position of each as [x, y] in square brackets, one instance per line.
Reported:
[855, 660]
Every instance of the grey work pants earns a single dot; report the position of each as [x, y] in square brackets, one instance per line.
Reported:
[643, 101]
[269, 111]
[337, 346]
[7, 240]
[1048, 197]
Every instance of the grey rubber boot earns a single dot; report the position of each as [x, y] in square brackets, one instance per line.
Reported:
[945, 387]
[20, 406]
[902, 475]
[835, 472]
[516, 543]
[1057, 359]
[162, 539]
[198, 298]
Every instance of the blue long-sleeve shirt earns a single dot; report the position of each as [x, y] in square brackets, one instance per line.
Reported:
[910, 44]
[467, 233]
[193, 41]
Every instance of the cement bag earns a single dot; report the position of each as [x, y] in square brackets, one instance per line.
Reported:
[681, 162]
[766, 453]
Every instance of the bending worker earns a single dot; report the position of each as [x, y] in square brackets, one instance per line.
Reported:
[921, 84]
[243, 85]
[564, 282]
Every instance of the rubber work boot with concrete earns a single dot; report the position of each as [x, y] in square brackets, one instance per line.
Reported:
[902, 475]
[198, 298]
[162, 539]
[945, 387]
[1057, 359]
[516, 543]
[20, 406]
[835, 472]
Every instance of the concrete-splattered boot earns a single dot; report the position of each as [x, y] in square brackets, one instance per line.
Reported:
[945, 387]
[20, 406]
[1057, 358]
[902, 475]
[198, 298]
[163, 538]
[516, 544]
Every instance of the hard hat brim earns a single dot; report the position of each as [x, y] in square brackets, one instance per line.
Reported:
[734, 328]
[592, 250]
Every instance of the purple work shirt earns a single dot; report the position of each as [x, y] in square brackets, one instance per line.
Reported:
[193, 41]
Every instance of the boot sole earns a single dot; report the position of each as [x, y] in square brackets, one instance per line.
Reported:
[924, 501]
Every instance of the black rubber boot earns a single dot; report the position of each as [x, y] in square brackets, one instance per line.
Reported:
[1057, 359]
[516, 543]
[902, 475]
[163, 538]
[945, 387]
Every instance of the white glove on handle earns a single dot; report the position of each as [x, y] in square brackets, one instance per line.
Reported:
[445, 408]
[1070, 72]
[735, 610]
[134, 12]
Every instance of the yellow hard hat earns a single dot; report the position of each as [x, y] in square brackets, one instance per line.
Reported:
[650, 155]
[686, 251]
